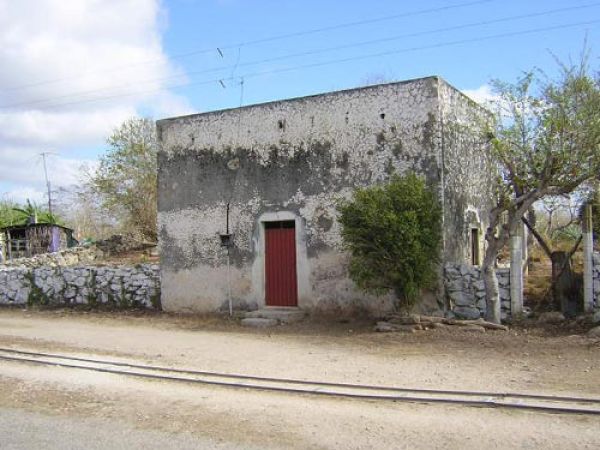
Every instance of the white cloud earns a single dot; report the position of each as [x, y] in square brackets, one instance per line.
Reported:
[65, 68]
[21, 195]
[22, 172]
[169, 105]
[60, 128]
[484, 95]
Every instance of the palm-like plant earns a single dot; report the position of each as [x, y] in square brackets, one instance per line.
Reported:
[12, 214]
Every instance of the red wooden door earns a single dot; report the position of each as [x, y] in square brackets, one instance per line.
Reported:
[280, 264]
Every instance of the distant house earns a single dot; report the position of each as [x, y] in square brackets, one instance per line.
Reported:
[247, 196]
[24, 241]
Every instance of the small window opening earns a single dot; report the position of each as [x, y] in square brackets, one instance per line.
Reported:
[475, 246]
[281, 124]
[382, 115]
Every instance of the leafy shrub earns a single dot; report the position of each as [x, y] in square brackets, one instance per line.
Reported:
[393, 233]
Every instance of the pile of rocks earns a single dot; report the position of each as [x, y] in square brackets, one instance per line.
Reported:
[119, 285]
[465, 290]
[68, 257]
[121, 243]
[415, 322]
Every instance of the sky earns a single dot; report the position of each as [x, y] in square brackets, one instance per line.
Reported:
[72, 71]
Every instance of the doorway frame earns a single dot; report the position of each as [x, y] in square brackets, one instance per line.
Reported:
[302, 265]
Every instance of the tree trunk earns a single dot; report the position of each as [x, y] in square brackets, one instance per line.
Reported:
[562, 283]
[492, 293]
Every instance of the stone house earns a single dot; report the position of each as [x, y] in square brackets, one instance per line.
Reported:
[247, 196]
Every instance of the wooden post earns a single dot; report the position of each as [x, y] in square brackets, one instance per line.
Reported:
[8, 245]
[516, 272]
[588, 262]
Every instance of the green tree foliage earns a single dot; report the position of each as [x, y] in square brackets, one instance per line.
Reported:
[547, 143]
[125, 180]
[8, 215]
[393, 233]
[14, 214]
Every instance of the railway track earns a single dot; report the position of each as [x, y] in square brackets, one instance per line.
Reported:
[535, 402]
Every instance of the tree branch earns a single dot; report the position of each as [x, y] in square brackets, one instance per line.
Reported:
[574, 249]
[538, 237]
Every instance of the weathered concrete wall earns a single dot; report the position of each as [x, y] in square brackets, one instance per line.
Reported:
[468, 173]
[123, 286]
[289, 160]
[465, 290]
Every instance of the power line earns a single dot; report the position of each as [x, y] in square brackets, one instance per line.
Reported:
[261, 41]
[361, 22]
[307, 53]
[337, 61]
[44, 155]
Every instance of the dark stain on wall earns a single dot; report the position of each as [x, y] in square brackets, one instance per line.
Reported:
[429, 131]
[204, 177]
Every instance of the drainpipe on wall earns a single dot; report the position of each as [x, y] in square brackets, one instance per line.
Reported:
[227, 242]
[229, 285]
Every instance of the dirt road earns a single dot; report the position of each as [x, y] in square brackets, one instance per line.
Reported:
[514, 361]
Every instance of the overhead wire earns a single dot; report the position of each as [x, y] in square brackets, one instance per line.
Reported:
[305, 53]
[220, 48]
[335, 61]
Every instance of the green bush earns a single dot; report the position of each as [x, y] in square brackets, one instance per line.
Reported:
[393, 233]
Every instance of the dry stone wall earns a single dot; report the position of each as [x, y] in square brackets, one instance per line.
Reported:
[68, 257]
[465, 290]
[123, 286]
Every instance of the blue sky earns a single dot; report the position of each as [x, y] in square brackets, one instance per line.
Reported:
[72, 71]
[207, 25]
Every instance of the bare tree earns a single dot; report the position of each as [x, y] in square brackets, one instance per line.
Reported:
[125, 181]
[546, 143]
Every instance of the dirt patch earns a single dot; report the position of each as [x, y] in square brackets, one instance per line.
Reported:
[522, 359]
[267, 420]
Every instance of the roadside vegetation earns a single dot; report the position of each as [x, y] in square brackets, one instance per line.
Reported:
[546, 142]
[15, 214]
[119, 195]
[393, 233]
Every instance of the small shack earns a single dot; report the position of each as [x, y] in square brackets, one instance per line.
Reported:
[25, 241]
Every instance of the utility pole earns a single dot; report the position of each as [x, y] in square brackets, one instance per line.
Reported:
[44, 154]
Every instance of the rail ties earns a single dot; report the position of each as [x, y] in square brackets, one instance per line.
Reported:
[514, 400]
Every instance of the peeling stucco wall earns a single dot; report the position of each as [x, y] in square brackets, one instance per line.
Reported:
[298, 157]
[468, 176]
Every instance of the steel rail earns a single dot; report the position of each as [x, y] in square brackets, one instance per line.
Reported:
[307, 382]
[563, 404]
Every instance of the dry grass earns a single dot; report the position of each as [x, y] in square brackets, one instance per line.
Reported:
[539, 275]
